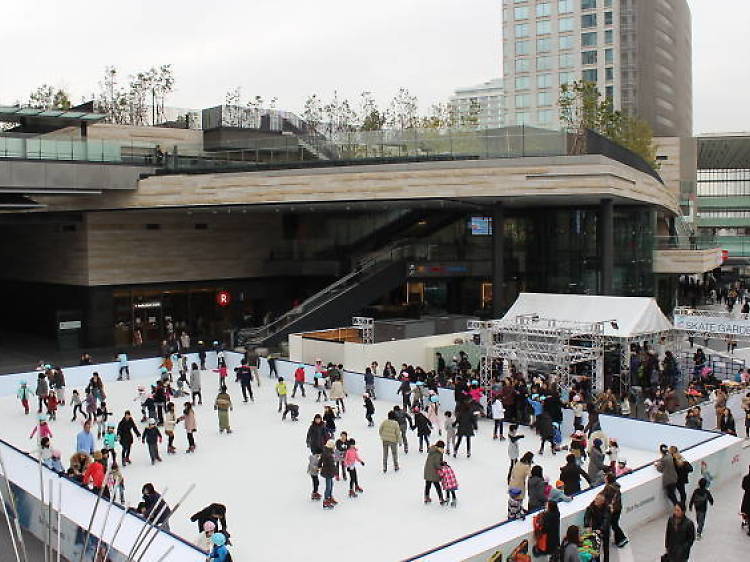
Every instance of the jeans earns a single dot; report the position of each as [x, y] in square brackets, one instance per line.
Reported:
[246, 389]
[394, 453]
[315, 483]
[498, 425]
[428, 484]
[403, 438]
[301, 386]
[700, 519]
[329, 487]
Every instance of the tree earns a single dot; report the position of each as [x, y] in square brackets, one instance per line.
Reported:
[371, 117]
[313, 112]
[146, 91]
[581, 108]
[47, 97]
[402, 111]
[232, 103]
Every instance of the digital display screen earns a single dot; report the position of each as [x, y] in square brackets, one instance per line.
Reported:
[480, 226]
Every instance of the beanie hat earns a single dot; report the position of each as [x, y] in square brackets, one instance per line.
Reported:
[514, 492]
[209, 526]
[56, 454]
[597, 442]
[42, 417]
[218, 539]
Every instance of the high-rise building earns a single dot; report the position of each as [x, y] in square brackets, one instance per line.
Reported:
[638, 52]
[483, 103]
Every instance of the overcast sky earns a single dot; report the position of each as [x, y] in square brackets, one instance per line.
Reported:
[292, 48]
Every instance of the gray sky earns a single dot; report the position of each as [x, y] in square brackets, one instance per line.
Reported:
[291, 48]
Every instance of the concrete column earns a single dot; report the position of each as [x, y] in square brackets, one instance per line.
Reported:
[607, 248]
[498, 255]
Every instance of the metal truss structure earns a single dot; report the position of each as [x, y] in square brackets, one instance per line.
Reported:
[367, 326]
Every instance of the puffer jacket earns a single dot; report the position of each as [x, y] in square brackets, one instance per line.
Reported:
[432, 464]
[390, 431]
[537, 497]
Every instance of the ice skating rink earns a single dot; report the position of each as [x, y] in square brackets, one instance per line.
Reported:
[259, 472]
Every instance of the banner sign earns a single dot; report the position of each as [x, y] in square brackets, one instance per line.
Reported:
[713, 324]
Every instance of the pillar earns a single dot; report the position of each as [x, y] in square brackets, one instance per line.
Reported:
[498, 256]
[607, 241]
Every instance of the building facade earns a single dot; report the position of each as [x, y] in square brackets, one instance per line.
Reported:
[484, 103]
[638, 52]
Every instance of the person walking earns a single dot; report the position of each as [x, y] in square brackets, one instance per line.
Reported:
[613, 496]
[679, 536]
[666, 466]
[745, 506]
[223, 405]
[700, 501]
[390, 435]
[299, 380]
[85, 439]
[125, 430]
[424, 428]
[195, 384]
[432, 466]
[405, 391]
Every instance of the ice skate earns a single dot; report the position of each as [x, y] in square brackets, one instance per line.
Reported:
[327, 504]
[427, 499]
[333, 501]
[352, 494]
[358, 490]
[171, 450]
[443, 502]
[453, 503]
[315, 496]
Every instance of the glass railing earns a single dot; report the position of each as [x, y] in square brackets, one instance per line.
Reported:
[736, 246]
[34, 147]
[685, 242]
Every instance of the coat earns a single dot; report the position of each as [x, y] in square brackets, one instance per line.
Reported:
[666, 466]
[316, 437]
[195, 380]
[537, 497]
[745, 508]
[432, 464]
[571, 475]
[596, 466]
[570, 552]
[518, 477]
[189, 421]
[465, 422]
[327, 464]
[544, 426]
[337, 390]
[551, 526]
[390, 431]
[679, 539]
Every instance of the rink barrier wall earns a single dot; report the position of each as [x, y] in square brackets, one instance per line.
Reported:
[77, 505]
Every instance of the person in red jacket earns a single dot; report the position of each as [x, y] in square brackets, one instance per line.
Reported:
[95, 473]
[299, 380]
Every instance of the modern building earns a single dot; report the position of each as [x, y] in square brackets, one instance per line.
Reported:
[638, 52]
[484, 102]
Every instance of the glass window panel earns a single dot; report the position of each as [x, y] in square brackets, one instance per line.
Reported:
[522, 82]
[588, 39]
[543, 45]
[522, 47]
[588, 4]
[522, 100]
[609, 56]
[588, 20]
[522, 30]
[567, 78]
[544, 9]
[565, 6]
[566, 24]
[588, 57]
[566, 41]
[609, 37]
[544, 63]
[608, 19]
[521, 12]
[590, 75]
[609, 74]
[543, 80]
[543, 27]
[544, 98]
[567, 60]
[522, 65]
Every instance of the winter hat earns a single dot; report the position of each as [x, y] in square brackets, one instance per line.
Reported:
[576, 398]
[434, 399]
[330, 444]
[514, 492]
[597, 442]
[163, 370]
[23, 382]
[218, 539]
[420, 383]
[209, 526]
[42, 417]
[111, 424]
[151, 421]
[559, 484]
[474, 382]
[622, 461]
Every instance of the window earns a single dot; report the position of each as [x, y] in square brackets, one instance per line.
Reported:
[543, 45]
[610, 92]
[522, 47]
[607, 3]
[588, 20]
[609, 74]
[522, 82]
[521, 13]
[590, 75]
[544, 80]
[609, 37]
[523, 117]
[588, 57]
[543, 27]
[522, 100]
[522, 65]
[588, 4]
[567, 60]
[565, 6]
[544, 116]
[544, 98]
[566, 24]
[544, 63]
[609, 56]
[567, 78]
[588, 39]
[543, 10]
[522, 30]
[566, 41]
[607, 18]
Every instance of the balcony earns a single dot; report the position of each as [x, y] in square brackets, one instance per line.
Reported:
[691, 255]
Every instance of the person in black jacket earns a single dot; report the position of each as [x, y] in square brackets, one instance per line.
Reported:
[679, 536]
[216, 513]
[125, 430]
[700, 501]
[597, 517]
[153, 507]
[553, 406]
[423, 427]
[316, 435]
[551, 528]
[546, 432]
[244, 375]
[466, 423]
[571, 475]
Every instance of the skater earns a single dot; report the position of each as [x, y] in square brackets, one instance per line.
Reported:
[223, 405]
[351, 458]
[110, 439]
[546, 432]
[216, 513]
[535, 489]
[596, 463]
[41, 428]
[190, 424]
[100, 417]
[328, 471]
[369, 409]
[195, 384]
[313, 469]
[370, 382]
[404, 422]
[245, 377]
[95, 474]
[142, 396]
[51, 404]
[405, 391]
[281, 392]
[320, 382]
[124, 370]
[390, 434]
[42, 389]
[54, 463]
[450, 432]
[291, 409]
[316, 435]
[432, 471]
[152, 436]
[75, 401]
[700, 501]
[449, 483]
[571, 475]
[330, 420]
[498, 414]
[170, 420]
[223, 373]
[466, 423]
[299, 380]
[341, 445]
[23, 395]
[125, 430]
[160, 401]
[513, 438]
[433, 412]
[423, 427]
[337, 395]
[417, 395]
[90, 404]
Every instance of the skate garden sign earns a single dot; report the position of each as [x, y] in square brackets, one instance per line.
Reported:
[691, 321]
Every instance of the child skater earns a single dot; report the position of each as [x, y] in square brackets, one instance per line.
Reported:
[170, 419]
[23, 395]
[433, 412]
[191, 426]
[423, 426]
[313, 469]
[101, 416]
[449, 482]
[513, 438]
[116, 483]
[152, 435]
[369, 409]
[110, 438]
[42, 428]
[515, 504]
[76, 402]
[351, 458]
[51, 403]
[450, 432]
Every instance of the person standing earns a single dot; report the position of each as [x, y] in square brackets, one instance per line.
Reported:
[571, 475]
[404, 422]
[521, 471]
[316, 435]
[281, 392]
[124, 370]
[390, 435]
[42, 389]
[369, 409]
[679, 536]
[551, 528]
[571, 542]
[405, 391]
[223, 405]
[299, 380]
[699, 501]
[351, 458]
[244, 375]
[745, 506]
[666, 466]
[328, 471]
[195, 384]
[23, 395]
[370, 382]
[597, 517]
[449, 482]
[535, 487]
[596, 463]
[498, 414]
[191, 426]
[613, 496]
[152, 436]
[85, 440]
[338, 394]
[683, 469]
[125, 430]
[466, 424]
[432, 466]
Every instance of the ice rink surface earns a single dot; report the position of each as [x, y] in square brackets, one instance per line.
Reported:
[259, 473]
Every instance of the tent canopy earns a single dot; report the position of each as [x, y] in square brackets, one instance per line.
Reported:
[635, 316]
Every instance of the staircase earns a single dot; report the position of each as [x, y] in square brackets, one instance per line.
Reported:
[334, 305]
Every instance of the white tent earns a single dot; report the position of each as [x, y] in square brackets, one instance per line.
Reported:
[634, 316]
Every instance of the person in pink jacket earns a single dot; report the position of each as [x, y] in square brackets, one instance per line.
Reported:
[42, 427]
[351, 458]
